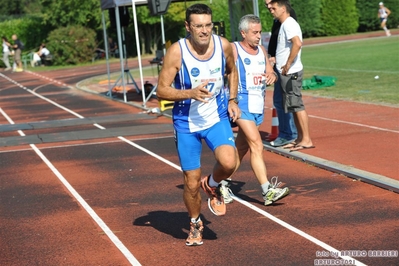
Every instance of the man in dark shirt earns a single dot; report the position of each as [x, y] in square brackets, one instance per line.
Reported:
[17, 54]
[287, 132]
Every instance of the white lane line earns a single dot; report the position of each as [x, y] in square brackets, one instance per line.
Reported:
[353, 70]
[297, 231]
[125, 251]
[355, 124]
[249, 205]
[85, 144]
[260, 211]
[150, 153]
[42, 97]
[128, 255]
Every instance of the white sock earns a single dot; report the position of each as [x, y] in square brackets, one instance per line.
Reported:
[194, 221]
[385, 28]
[212, 182]
[265, 187]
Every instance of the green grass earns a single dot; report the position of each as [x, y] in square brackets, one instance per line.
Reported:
[355, 64]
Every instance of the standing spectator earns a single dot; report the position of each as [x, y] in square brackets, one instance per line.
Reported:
[6, 53]
[288, 63]
[197, 64]
[254, 73]
[287, 132]
[18, 46]
[383, 14]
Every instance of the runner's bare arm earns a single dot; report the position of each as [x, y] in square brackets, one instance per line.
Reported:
[171, 65]
[232, 76]
[270, 75]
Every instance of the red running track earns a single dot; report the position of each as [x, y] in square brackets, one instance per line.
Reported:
[90, 200]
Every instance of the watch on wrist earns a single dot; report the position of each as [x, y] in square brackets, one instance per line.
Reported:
[235, 99]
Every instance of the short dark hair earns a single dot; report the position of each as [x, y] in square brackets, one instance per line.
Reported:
[198, 9]
[285, 3]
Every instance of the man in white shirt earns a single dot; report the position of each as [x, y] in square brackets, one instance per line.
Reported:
[383, 14]
[40, 56]
[288, 63]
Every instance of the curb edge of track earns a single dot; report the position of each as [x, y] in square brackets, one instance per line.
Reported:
[348, 171]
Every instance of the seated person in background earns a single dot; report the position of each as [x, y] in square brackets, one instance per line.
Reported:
[113, 48]
[40, 56]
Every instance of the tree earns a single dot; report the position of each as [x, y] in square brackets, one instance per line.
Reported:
[71, 45]
[339, 17]
[309, 17]
[61, 13]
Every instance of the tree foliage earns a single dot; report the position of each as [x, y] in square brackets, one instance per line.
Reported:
[71, 45]
[61, 13]
[16, 9]
[339, 17]
[309, 16]
[29, 30]
[32, 20]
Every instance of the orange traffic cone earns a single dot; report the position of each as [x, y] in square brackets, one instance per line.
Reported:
[274, 132]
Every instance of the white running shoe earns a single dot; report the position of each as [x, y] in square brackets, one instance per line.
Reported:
[226, 191]
[275, 193]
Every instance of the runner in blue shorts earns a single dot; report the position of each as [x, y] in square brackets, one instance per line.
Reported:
[189, 145]
[254, 72]
[197, 66]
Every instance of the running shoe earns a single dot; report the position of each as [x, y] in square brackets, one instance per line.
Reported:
[195, 235]
[275, 193]
[226, 191]
[215, 200]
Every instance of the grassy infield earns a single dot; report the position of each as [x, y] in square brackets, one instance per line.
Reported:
[353, 63]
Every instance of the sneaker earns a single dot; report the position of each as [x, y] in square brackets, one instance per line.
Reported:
[19, 70]
[275, 193]
[215, 200]
[8, 68]
[280, 142]
[226, 191]
[195, 235]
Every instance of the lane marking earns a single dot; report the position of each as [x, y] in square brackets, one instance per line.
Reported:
[296, 230]
[42, 97]
[115, 240]
[354, 124]
[84, 144]
[353, 70]
[128, 255]
[258, 210]
[120, 245]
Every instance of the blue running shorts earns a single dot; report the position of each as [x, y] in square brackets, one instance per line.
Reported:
[257, 118]
[189, 145]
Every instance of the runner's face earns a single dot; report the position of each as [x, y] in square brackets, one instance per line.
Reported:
[200, 28]
[253, 35]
